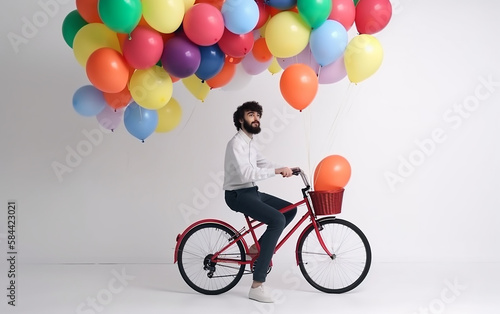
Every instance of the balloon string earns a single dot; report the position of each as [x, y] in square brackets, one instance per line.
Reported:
[189, 119]
[307, 128]
[340, 112]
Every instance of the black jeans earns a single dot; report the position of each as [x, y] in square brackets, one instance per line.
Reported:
[264, 208]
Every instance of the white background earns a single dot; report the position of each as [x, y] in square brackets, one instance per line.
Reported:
[123, 202]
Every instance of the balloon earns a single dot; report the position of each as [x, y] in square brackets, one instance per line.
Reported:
[107, 70]
[118, 100]
[286, 34]
[181, 57]
[372, 15]
[253, 66]
[71, 25]
[304, 57]
[88, 10]
[298, 85]
[263, 14]
[282, 4]
[122, 16]
[333, 72]
[224, 76]
[362, 57]
[164, 16]
[236, 45]
[151, 88]
[92, 37]
[169, 116]
[110, 118]
[144, 47]
[139, 121]
[203, 24]
[274, 67]
[187, 4]
[260, 50]
[328, 42]
[216, 3]
[212, 61]
[196, 87]
[240, 16]
[343, 11]
[88, 101]
[331, 173]
[314, 12]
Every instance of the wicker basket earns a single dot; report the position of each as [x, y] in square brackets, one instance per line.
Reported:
[327, 202]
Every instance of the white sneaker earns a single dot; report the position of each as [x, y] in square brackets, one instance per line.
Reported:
[260, 294]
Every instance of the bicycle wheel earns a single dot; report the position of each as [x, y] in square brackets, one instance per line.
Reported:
[194, 259]
[350, 262]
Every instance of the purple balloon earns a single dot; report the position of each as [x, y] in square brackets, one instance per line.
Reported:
[333, 72]
[180, 57]
[304, 57]
[110, 118]
[252, 66]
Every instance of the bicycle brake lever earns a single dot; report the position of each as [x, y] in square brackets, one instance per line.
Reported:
[296, 171]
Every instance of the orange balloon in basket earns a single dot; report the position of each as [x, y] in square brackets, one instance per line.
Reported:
[331, 173]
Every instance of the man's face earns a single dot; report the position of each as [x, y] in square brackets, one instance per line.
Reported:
[251, 122]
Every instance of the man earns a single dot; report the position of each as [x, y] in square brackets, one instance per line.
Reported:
[243, 166]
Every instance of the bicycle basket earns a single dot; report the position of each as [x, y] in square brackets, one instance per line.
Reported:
[327, 202]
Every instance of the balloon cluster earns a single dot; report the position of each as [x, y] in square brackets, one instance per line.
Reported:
[133, 51]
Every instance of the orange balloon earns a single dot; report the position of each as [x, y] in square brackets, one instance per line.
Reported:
[216, 3]
[88, 9]
[299, 85]
[260, 50]
[331, 173]
[224, 76]
[107, 70]
[118, 100]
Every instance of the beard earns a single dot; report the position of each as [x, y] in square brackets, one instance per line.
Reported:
[250, 128]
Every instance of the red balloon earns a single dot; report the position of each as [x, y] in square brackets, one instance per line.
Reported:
[264, 13]
[118, 100]
[299, 85]
[236, 45]
[107, 70]
[203, 24]
[216, 3]
[343, 11]
[372, 15]
[331, 173]
[88, 10]
[144, 47]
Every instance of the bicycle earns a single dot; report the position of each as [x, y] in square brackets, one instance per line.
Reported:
[333, 255]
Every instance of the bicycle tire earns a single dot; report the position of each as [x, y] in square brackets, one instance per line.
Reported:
[350, 262]
[195, 250]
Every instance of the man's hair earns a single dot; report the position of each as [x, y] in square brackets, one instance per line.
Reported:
[240, 112]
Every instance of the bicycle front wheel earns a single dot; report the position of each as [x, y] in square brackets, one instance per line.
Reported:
[195, 252]
[350, 262]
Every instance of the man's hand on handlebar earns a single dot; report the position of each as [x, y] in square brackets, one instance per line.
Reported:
[287, 172]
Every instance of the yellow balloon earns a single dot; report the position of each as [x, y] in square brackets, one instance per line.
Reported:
[151, 88]
[287, 34]
[169, 116]
[274, 67]
[92, 37]
[188, 4]
[164, 16]
[196, 87]
[362, 57]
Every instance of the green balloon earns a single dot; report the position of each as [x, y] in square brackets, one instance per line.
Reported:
[71, 25]
[355, 2]
[122, 16]
[314, 12]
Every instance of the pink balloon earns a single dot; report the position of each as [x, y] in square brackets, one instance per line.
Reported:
[144, 47]
[344, 12]
[203, 24]
[236, 45]
[110, 118]
[254, 67]
[332, 72]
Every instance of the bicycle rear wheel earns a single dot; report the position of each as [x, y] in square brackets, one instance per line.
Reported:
[350, 262]
[197, 248]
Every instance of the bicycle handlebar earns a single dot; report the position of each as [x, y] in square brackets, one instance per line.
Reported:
[296, 171]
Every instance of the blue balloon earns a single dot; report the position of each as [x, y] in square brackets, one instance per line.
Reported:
[282, 4]
[240, 16]
[139, 121]
[328, 42]
[88, 101]
[212, 61]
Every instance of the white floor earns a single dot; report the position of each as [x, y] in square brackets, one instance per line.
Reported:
[397, 288]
